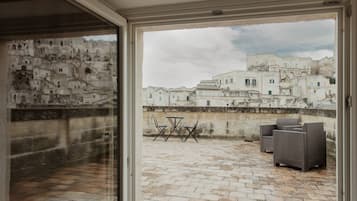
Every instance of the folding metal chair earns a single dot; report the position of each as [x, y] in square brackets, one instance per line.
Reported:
[192, 132]
[160, 128]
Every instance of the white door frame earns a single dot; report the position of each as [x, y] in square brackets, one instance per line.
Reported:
[138, 26]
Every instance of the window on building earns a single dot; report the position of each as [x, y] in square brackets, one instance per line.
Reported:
[332, 81]
[247, 82]
[318, 84]
[254, 82]
[271, 81]
[231, 80]
[187, 98]
[270, 92]
[208, 102]
[23, 99]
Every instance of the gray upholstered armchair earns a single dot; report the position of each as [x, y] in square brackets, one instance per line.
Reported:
[266, 132]
[302, 148]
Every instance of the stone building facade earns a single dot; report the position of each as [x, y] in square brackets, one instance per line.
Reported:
[164, 97]
[63, 71]
[269, 81]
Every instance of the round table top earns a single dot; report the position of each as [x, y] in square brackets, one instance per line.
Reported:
[175, 117]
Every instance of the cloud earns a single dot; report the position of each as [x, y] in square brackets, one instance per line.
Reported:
[286, 38]
[184, 57]
[316, 55]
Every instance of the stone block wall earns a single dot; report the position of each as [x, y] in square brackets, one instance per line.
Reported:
[44, 139]
[238, 122]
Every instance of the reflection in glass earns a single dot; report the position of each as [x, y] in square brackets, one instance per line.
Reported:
[61, 96]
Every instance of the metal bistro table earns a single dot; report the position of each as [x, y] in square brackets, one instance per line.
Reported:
[175, 122]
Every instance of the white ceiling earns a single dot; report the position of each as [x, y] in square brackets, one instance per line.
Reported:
[127, 4]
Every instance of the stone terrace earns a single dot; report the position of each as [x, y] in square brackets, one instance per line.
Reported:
[226, 170]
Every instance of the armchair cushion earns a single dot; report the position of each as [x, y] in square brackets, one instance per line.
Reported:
[282, 124]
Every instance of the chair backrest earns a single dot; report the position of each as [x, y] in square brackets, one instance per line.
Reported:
[196, 124]
[317, 127]
[155, 122]
[285, 122]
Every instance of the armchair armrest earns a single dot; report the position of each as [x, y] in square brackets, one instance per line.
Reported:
[267, 130]
[288, 133]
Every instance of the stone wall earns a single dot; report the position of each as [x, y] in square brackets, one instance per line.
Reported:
[43, 139]
[238, 122]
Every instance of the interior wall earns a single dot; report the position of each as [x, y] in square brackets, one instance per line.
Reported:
[4, 160]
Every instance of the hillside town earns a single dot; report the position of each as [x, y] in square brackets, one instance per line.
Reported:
[269, 81]
[81, 72]
[61, 72]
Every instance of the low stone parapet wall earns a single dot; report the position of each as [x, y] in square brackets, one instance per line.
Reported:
[238, 122]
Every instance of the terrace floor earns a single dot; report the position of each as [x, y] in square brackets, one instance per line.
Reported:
[211, 170]
[84, 182]
[226, 170]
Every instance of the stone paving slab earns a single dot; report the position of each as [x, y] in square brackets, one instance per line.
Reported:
[227, 170]
[83, 182]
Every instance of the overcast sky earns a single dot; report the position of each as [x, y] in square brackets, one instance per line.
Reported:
[178, 58]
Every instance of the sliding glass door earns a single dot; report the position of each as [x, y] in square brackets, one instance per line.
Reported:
[59, 67]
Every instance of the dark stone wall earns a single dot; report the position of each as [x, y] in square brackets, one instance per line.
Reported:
[32, 114]
[38, 155]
